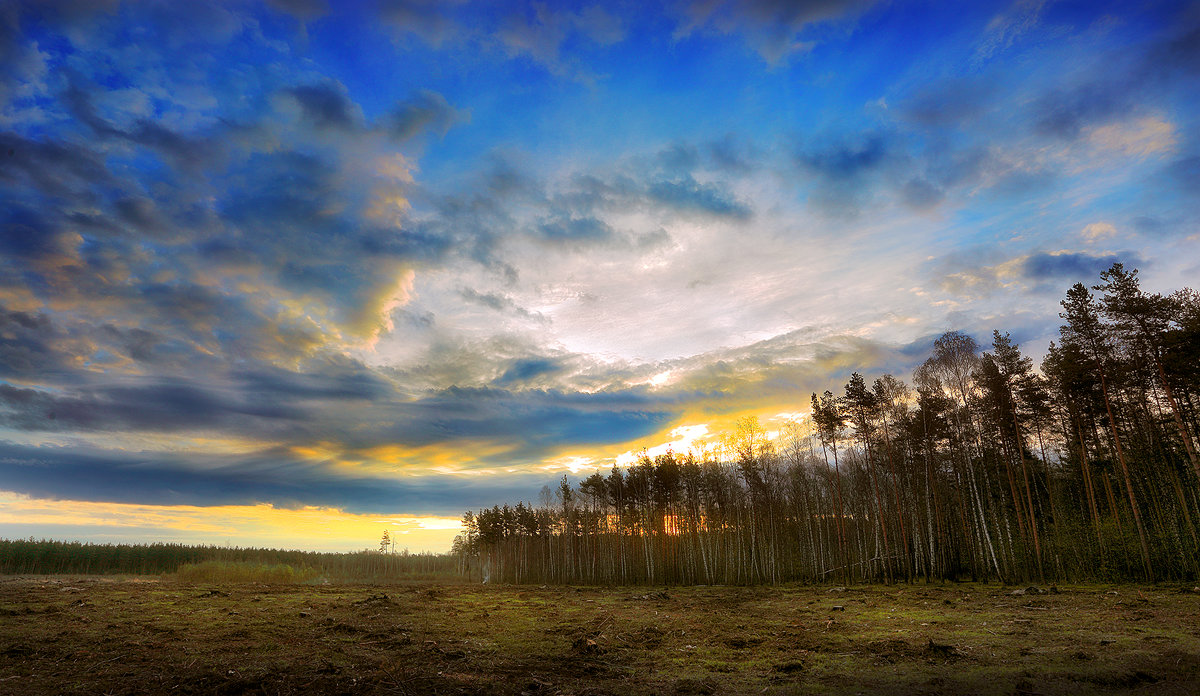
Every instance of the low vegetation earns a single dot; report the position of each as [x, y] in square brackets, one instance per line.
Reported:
[217, 572]
[71, 635]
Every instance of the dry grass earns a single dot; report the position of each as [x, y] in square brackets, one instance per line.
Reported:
[269, 574]
[84, 635]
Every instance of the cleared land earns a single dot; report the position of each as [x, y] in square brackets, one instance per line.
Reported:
[94, 635]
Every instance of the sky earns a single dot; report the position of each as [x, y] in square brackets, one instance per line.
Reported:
[292, 273]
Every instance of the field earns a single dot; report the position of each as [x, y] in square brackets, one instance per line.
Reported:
[92, 635]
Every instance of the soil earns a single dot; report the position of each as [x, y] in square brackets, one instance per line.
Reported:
[131, 636]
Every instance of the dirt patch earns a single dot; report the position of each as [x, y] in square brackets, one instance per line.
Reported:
[114, 637]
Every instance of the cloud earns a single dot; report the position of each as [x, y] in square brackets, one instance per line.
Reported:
[431, 20]
[426, 111]
[304, 10]
[1185, 174]
[27, 235]
[1004, 29]
[183, 151]
[58, 168]
[1141, 137]
[527, 370]
[501, 303]
[248, 247]
[326, 105]
[688, 195]
[981, 274]
[921, 195]
[848, 160]
[26, 345]
[772, 27]
[273, 476]
[1098, 231]
[954, 102]
[847, 173]
[540, 32]
[1064, 113]
[1073, 266]
[577, 230]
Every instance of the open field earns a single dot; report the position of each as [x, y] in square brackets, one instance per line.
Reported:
[101, 635]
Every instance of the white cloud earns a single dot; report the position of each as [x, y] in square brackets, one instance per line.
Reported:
[1143, 137]
[1098, 231]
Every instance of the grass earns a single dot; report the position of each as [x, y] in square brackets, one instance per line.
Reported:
[219, 572]
[91, 635]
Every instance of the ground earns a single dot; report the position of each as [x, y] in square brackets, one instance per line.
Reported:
[96, 635]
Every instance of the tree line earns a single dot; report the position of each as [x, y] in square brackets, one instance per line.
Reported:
[45, 557]
[980, 468]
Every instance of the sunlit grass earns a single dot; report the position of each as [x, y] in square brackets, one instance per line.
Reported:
[221, 572]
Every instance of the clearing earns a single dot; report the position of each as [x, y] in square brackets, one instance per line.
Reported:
[98, 635]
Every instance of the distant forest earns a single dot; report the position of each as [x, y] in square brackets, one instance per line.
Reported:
[980, 468]
[43, 557]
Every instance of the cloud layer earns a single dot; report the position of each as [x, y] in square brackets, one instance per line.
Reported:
[415, 257]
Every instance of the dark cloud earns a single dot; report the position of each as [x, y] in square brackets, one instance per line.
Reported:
[139, 344]
[326, 106]
[427, 111]
[956, 102]
[304, 10]
[921, 195]
[55, 168]
[583, 229]
[180, 150]
[1073, 266]
[500, 303]
[964, 166]
[141, 213]
[30, 236]
[358, 407]
[846, 173]
[183, 151]
[1064, 113]
[688, 195]
[848, 161]
[27, 344]
[1185, 174]
[678, 159]
[12, 50]
[1148, 224]
[161, 405]
[327, 378]
[527, 370]
[273, 476]
[1125, 83]
[731, 155]
[534, 421]
[1177, 53]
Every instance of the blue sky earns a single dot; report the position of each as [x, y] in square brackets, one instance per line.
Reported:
[340, 267]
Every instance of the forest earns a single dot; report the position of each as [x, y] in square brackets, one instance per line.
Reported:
[47, 557]
[980, 468]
